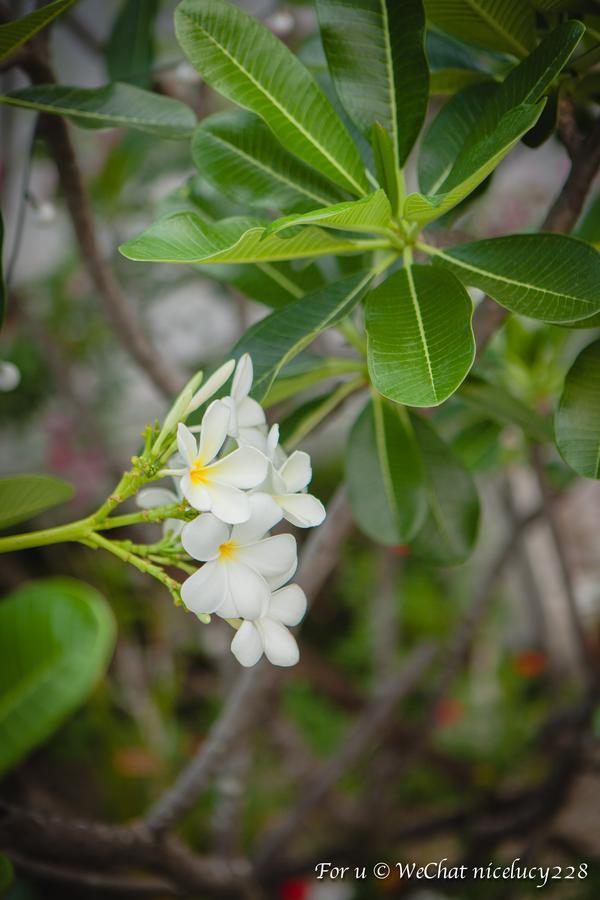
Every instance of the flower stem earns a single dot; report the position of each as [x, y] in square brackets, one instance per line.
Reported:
[143, 565]
[72, 531]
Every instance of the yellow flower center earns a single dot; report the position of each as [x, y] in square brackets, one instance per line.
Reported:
[228, 550]
[198, 472]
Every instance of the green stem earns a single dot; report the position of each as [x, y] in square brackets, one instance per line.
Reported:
[157, 514]
[73, 531]
[142, 565]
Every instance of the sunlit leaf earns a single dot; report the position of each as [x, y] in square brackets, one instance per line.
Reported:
[370, 214]
[507, 25]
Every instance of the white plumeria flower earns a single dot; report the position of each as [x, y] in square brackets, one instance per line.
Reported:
[211, 386]
[240, 563]
[151, 497]
[268, 634]
[217, 486]
[247, 423]
[286, 483]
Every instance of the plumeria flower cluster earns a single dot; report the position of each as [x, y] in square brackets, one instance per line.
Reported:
[232, 470]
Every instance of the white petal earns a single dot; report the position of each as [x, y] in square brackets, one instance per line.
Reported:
[214, 430]
[245, 468]
[206, 589]
[195, 494]
[174, 527]
[232, 426]
[302, 510]
[276, 581]
[212, 385]
[296, 471]
[271, 557]
[264, 513]
[242, 380]
[202, 537]
[186, 442]
[228, 503]
[280, 645]
[253, 437]
[250, 413]
[150, 497]
[246, 645]
[288, 605]
[249, 590]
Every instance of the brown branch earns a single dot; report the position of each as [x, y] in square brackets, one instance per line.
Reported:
[114, 302]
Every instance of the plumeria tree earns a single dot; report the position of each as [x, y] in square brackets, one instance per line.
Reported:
[333, 184]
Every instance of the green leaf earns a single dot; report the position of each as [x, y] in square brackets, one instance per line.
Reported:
[450, 530]
[130, 46]
[577, 421]
[185, 238]
[372, 214]
[385, 474]
[294, 379]
[544, 276]
[475, 115]
[25, 496]
[270, 283]
[14, 34]
[246, 63]
[388, 174]
[420, 338]
[56, 638]
[376, 56]
[113, 106]
[475, 162]
[497, 403]
[275, 340]
[241, 157]
[506, 25]
[448, 134]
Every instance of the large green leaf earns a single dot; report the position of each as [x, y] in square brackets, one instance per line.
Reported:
[506, 25]
[130, 46]
[450, 81]
[474, 117]
[545, 276]
[480, 156]
[377, 60]
[448, 133]
[420, 338]
[275, 340]
[385, 474]
[246, 63]
[14, 34]
[114, 106]
[185, 238]
[577, 422]
[372, 215]
[240, 156]
[24, 496]
[56, 638]
[450, 530]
